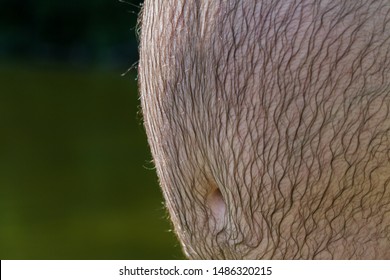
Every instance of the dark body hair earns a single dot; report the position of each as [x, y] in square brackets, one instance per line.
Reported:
[269, 125]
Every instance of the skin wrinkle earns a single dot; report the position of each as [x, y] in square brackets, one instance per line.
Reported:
[284, 107]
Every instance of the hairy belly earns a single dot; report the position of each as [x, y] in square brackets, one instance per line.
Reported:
[269, 126]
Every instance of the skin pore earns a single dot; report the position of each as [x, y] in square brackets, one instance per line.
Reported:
[269, 125]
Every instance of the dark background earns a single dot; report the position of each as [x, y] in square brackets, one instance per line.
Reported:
[76, 177]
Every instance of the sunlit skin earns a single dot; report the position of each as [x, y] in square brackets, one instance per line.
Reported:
[268, 123]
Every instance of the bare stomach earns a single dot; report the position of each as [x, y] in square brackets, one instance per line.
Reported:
[269, 126]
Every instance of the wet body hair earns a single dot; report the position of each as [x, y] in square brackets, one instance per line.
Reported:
[269, 125]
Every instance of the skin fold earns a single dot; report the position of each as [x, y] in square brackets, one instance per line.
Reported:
[269, 125]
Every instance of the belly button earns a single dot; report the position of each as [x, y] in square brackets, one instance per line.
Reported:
[217, 205]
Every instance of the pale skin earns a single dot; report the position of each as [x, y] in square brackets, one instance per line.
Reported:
[269, 125]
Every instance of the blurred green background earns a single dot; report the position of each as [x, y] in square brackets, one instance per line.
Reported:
[76, 177]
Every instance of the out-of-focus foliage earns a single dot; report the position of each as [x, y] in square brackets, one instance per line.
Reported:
[87, 31]
[76, 181]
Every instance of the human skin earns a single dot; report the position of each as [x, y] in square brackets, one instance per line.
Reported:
[269, 125]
